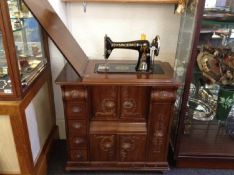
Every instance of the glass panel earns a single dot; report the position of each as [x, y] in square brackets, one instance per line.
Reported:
[5, 82]
[183, 53]
[209, 120]
[28, 42]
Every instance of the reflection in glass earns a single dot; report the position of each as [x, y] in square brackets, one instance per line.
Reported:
[28, 42]
[5, 83]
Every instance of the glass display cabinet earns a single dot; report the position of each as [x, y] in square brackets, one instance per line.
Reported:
[204, 112]
[27, 116]
[22, 55]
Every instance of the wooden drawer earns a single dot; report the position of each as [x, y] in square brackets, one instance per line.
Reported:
[75, 93]
[78, 155]
[77, 141]
[77, 127]
[76, 110]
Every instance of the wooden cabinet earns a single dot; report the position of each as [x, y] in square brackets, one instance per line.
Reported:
[118, 125]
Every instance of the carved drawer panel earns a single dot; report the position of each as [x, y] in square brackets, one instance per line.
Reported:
[78, 155]
[77, 141]
[134, 102]
[77, 127]
[103, 147]
[104, 102]
[76, 110]
[132, 148]
[75, 93]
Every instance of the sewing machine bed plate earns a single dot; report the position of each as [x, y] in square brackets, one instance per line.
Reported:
[125, 68]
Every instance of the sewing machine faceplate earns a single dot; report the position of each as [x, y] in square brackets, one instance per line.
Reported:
[125, 68]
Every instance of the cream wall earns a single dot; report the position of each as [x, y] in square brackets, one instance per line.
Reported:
[8, 156]
[122, 22]
[39, 121]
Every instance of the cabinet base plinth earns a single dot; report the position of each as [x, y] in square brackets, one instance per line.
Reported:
[114, 166]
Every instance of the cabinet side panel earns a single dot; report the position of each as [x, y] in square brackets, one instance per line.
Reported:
[158, 131]
[9, 163]
[39, 120]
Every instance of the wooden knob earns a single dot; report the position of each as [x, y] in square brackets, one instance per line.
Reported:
[78, 140]
[77, 125]
[78, 156]
[76, 109]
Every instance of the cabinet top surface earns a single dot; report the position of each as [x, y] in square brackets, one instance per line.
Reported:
[69, 77]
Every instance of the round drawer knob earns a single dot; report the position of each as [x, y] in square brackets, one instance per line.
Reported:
[76, 109]
[77, 125]
[78, 156]
[79, 140]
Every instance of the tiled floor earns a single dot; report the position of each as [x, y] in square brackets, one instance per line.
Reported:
[58, 157]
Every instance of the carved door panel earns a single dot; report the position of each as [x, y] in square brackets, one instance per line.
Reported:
[134, 102]
[103, 147]
[104, 102]
[132, 148]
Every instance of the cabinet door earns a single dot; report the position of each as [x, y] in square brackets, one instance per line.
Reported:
[104, 102]
[132, 148]
[134, 103]
[103, 147]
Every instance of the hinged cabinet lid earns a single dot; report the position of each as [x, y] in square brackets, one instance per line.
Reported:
[59, 33]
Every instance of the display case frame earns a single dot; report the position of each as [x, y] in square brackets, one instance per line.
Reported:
[18, 92]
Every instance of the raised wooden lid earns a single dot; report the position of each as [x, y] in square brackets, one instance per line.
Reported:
[59, 33]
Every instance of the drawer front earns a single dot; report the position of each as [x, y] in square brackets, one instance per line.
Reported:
[76, 110]
[76, 93]
[77, 127]
[77, 141]
[78, 155]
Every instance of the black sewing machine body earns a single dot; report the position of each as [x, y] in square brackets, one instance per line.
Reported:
[146, 52]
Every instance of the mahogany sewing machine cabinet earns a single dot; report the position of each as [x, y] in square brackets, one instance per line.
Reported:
[113, 121]
[117, 121]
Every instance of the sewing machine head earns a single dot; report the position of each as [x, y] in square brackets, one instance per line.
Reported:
[146, 51]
